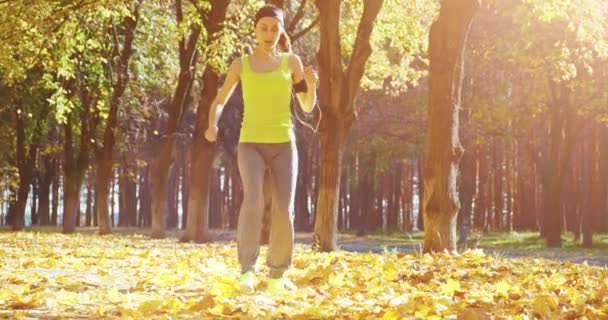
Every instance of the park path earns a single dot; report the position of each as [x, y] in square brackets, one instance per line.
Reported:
[365, 244]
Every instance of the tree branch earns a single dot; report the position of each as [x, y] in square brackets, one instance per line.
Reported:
[296, 18]
[361, 51]
[305, 30]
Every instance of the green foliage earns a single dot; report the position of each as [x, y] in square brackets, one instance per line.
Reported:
[399, 42]
[519, 48]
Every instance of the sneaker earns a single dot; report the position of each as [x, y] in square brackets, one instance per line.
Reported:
[247, 281]
[278, 286]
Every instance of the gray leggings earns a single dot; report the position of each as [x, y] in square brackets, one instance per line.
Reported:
[282, 160]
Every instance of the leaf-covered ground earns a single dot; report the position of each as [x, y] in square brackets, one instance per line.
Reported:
[50, 275]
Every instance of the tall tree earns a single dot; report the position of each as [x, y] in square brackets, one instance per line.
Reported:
[197, 228]
[122, 53]
[337, 92]
[443, 151]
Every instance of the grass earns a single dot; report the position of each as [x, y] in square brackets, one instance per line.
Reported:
[515, 240]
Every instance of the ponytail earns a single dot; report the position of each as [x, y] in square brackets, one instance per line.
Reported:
[284, 42]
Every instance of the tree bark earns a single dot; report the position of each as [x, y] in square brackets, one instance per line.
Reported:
[161, 168]
[443, 151]
[336, 95]
[145, 210]
[562, 140]
[89, 208]
[104, 159]
[35, 196]
[302, 218]
[25, 166]
[46, 178]
[202, 150]
[55, 199]
[75, 164]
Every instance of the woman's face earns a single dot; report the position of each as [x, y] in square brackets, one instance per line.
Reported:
[267, 32]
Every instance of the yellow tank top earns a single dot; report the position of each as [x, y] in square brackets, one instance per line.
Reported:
[266, 98]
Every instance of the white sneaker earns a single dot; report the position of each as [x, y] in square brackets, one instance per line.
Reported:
[278, 286]
[247, 281]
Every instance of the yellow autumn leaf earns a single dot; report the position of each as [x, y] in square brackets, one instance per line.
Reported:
[167, 279]
[502, 288]
[391, 315]
[450, 287]
[150, 306]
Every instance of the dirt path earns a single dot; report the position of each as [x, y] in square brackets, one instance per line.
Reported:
[365, 244]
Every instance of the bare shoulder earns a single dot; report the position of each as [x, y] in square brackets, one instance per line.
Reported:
[294, 62]
[235, 69]
[237, 64]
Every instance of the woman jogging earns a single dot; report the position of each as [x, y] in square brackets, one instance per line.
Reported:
[267, 139]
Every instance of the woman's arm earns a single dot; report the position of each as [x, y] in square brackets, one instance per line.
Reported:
[217, 106]
[309, 98]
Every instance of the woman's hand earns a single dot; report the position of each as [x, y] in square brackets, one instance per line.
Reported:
[310, 76]
[211, 133]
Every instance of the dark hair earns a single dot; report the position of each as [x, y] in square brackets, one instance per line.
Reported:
[269, 10]
[284, 42]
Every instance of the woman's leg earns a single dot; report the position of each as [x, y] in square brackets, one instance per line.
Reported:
[251, 168]
[284, 170]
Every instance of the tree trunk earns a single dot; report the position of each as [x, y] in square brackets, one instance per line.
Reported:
[497, 150]
[145, 210]
[162, 167]
[12, 204]
[407, 197]
[480, 197]
[127, 199]
[185, 187]
[202, 150]
[603, 213]
[302, 218]
[35, 196]
[104, 161]
[46, 178]
[591, 180]
[55, 199]
[468, 174]
[466, 192]
[89, 209]
[561, 143]
[336, 94]
[25, 166]
[173, 194]
[443, 150]
[420, 175]
[509, 189]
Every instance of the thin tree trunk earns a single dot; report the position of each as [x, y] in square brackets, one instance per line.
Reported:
[35, 196]
[420, 175]
[104, 161]
[161, 168]
[173, 195]
[497, 162]
[25, 166]
[145, 210]
[587, 183]
[302, 218]
[89, 209]
[46, 178]
[468, 176]
[55, 199]
[480, 197]
[407, 197]
[185, 189]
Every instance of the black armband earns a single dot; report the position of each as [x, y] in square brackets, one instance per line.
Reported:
[301, 86]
